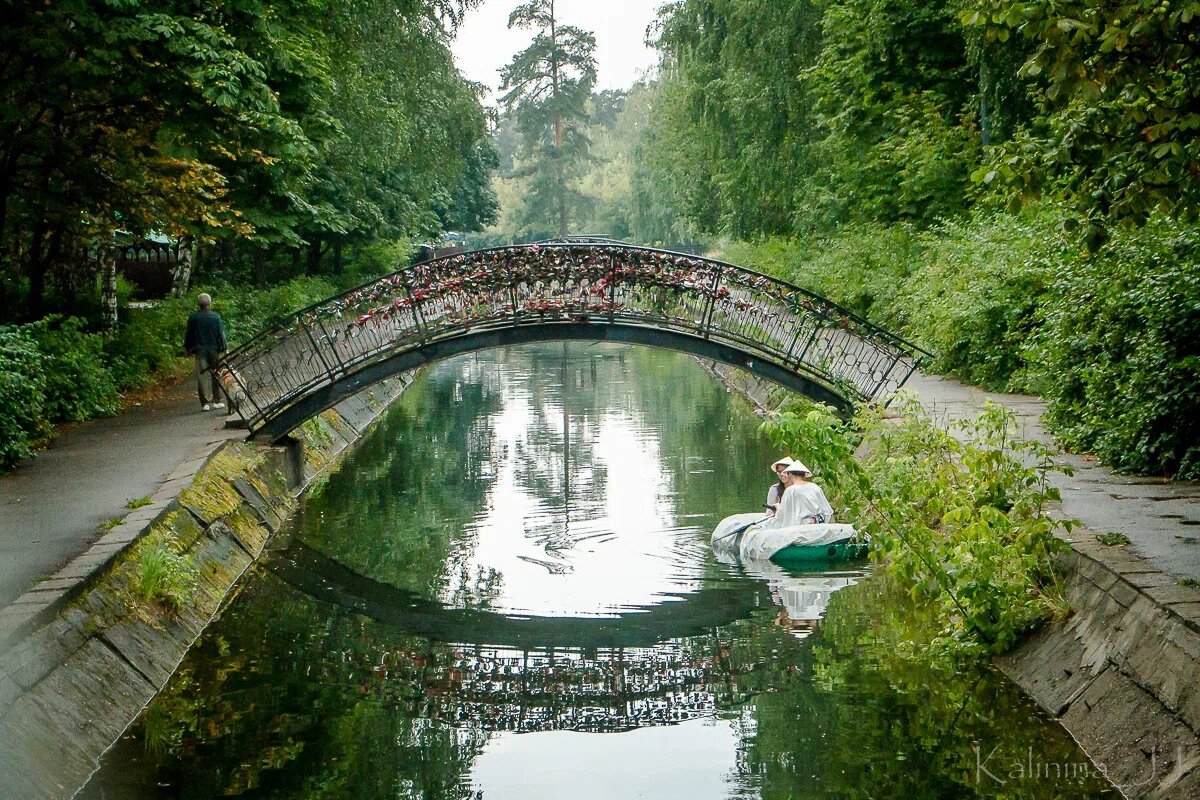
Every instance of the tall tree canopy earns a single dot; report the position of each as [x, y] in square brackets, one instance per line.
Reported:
[785, 115]
[1119, 104]
[547, 86]
[282, 122]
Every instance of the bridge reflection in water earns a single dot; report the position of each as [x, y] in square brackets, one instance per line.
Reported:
[459, 583]
[591, 674]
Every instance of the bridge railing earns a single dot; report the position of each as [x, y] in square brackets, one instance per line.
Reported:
[566, 282]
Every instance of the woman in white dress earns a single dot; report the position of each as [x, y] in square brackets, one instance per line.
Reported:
[803, 502]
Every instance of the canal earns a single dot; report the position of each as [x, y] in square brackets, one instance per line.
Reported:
[506, 591]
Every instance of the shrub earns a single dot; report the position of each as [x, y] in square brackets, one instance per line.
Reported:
[78, 383]
[149, 341]
[961, 519]
[863, 267]
[245, 313]
[22, 395]
[979, 296]
[164, 576]
[1121, 352]
[375, 260]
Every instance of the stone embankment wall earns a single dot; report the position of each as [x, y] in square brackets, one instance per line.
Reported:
[96, 646]
[1121, 672]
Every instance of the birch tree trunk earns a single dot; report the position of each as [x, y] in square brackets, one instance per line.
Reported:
[181, 279]
[108, 287]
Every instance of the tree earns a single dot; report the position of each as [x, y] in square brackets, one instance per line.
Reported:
[121, 116]
[242, 125]
[407, 135]
[548, 85]
[1120, 100]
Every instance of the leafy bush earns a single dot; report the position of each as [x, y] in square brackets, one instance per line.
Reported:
[54, 370]
[377, 259]
[78, 382]
[961, 519]
[1121, 352]
[151, 340]
[864, 268]
[1007, 302]
[148, 341]
[22, 395]
[245, 313]
[979, 295]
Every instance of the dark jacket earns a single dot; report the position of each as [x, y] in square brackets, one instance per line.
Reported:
[204, 332]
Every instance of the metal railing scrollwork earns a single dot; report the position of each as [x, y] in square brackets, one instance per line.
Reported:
[554, 284]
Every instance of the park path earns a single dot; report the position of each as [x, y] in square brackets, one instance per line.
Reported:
[52, 507]
[1161, 517]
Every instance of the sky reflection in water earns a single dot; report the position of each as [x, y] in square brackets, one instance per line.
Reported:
[608, 539]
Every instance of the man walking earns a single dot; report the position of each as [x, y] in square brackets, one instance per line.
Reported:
[205, 339]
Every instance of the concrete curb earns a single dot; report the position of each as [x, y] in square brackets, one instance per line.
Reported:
[1122, 673]
[41, 602]
[83, 657]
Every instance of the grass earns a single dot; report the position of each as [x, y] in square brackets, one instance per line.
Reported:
[1112, 539]
[164, 576]
[109, 524]
[138, 503]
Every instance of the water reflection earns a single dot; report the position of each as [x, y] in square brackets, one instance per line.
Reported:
[507, 591]
[579, 495]
[578, 766]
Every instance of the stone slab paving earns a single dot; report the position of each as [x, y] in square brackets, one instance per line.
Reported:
[52, 507]
[1161, 517]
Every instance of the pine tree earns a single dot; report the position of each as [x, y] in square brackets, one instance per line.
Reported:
[548, 85]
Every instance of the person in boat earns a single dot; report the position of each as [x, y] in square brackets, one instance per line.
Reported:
[775, 493]
[803, 502]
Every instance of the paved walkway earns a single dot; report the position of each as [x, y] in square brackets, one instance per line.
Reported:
[1160, 517]
[51, 508]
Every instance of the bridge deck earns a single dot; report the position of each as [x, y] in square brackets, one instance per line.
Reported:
[564, 290]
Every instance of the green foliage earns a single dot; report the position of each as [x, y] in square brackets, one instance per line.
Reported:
[979, 296]
[245, 312]
[1005, 301]
[301, 125]
[52, 371]
[1112, 539]
[147, 342]
[1120, 352]
[547, 86]
[164, 576]
[1118, 103]
[865, 268]
[138, 502]
[55, 371]
[22, 395]
[798, 116]
[958, 516]
[78, 382]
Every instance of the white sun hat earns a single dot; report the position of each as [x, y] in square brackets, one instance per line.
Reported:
[797, 468]
[786, 461]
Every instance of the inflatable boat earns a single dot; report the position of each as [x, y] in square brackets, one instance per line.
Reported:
[746, 536]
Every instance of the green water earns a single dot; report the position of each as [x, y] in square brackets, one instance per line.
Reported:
[507, 592]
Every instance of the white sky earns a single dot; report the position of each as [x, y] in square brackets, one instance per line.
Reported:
[484, 43]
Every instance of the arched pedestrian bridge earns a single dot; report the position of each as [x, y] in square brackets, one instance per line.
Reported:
[569, 290]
